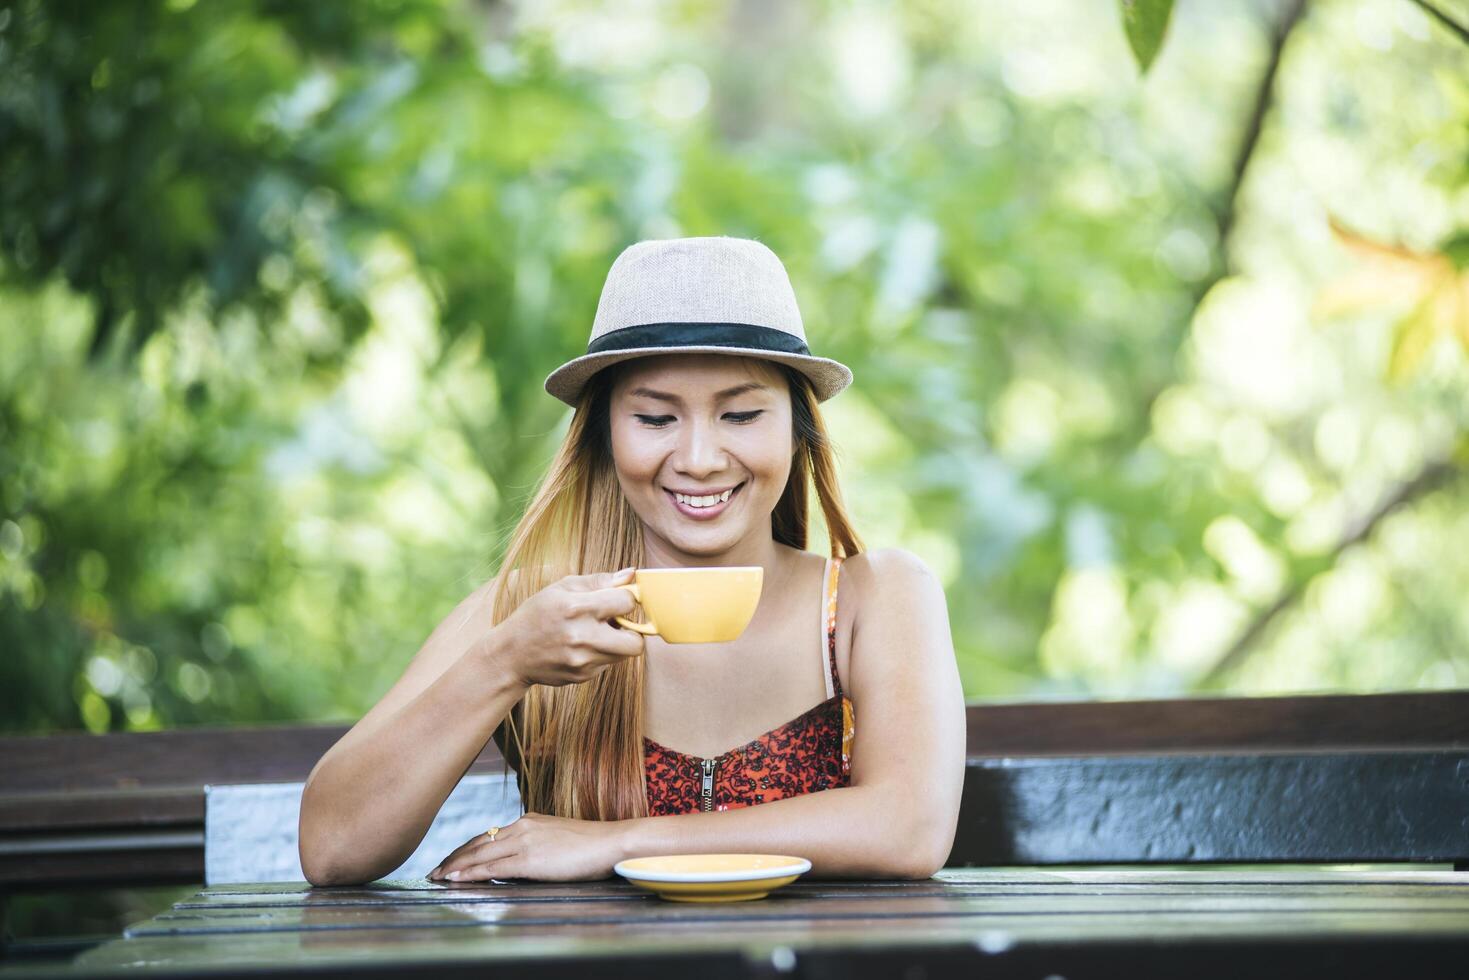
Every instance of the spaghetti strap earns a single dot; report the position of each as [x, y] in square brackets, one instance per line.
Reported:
[811, 752]
[829, 578]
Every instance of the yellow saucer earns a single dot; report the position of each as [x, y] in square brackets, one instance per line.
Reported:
[713, 877]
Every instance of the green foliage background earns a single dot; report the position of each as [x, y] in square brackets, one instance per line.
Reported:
[279, 284]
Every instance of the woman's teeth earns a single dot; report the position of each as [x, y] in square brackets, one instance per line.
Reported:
[709, 501]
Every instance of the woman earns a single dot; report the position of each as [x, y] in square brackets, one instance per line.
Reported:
[695, 436]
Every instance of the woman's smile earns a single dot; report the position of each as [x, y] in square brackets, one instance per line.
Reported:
[695, 507]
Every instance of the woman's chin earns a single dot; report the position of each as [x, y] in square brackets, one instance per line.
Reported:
[704, 540]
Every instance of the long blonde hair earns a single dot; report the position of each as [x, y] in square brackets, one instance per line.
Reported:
[579, 746]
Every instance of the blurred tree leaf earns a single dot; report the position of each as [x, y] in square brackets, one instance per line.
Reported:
[138, 152]
[1145, 23]
[350, 239]
[1413, 335]
[1457, 250]
[1435, 284]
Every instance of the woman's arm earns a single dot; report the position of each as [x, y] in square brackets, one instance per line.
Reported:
[372, 796]
[896, 819]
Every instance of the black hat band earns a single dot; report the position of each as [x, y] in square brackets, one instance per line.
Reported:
[747, 335]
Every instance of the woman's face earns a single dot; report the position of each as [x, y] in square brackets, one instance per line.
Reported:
[700, 425]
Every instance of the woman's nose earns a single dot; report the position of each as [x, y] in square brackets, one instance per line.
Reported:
[700, 451]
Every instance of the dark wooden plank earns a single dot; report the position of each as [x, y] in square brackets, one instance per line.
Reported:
[704, 930]
[412, 889]
[421, 891]
[955, 881]
[300, 890]
[1315, 807]
[1205, 876]
[167, 866]
[1188, 890]
[400, 953]
[85, 763]
[1422, 719]
[1262, 903]
[83, 780]
[175, 806]
[1366, 955]
[1170, 950]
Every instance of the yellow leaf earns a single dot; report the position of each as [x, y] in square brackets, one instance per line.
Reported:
[1412, 337]
[1367, 249]
[1386, 275]
[1464, 310]
[1365, 289]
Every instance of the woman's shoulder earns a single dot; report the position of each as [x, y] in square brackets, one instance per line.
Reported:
[885, 579]
[887, 565]
[878, 576]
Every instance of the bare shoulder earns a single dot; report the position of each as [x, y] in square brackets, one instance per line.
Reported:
[900, 605]
[890, 578]
[889, 594]
[888, 562]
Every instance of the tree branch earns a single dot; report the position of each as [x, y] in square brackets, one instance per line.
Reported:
[1226, 204]
[1264, 96]
[1433, 475]
[1454, 26]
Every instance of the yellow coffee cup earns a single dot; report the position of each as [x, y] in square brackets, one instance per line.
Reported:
[695, 605]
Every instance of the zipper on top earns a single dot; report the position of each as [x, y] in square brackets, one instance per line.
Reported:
[706, 790]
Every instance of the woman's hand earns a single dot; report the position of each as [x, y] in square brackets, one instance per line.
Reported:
[540, 847]
[563, 634]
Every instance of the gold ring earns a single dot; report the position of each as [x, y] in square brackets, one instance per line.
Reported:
[492, 832]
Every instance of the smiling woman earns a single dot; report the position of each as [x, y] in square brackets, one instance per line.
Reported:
[834, 731]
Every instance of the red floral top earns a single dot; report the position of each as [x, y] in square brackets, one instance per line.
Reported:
[809, 753]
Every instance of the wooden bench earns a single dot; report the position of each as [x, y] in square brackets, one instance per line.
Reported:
[1349, 778]
[1334, 779]
[1304, 779]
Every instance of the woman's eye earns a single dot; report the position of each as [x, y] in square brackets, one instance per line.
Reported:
[740, 418]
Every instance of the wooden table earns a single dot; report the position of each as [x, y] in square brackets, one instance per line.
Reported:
[1060, 923]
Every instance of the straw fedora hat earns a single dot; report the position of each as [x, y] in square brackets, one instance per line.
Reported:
[716, 294]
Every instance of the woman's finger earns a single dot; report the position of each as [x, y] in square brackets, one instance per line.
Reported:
[606, 603]
[473, 851]
[624, 643]
[461, 849]
[445, 864]
[501, 866]
[593, 581]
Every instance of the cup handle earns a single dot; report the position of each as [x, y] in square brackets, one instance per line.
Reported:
[647, 629]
